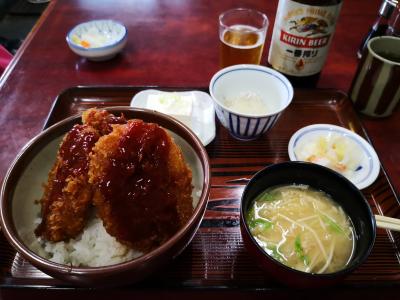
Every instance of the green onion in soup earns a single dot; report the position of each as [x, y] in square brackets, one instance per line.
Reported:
[302, 228]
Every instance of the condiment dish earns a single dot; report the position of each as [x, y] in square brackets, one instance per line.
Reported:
[320, 178]
[97, 40]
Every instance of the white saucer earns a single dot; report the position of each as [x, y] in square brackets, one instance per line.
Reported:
[203, 114]
[368, 166]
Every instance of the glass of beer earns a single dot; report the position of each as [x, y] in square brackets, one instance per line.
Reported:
[242, 34]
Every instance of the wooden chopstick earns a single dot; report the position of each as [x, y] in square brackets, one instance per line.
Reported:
[387, 223]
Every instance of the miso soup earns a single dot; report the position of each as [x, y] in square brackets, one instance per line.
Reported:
[302, 228]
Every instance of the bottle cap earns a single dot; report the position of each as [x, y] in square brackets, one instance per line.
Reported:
[387, 8]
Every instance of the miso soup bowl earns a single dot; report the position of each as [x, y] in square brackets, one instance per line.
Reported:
[270, 86]
[343, 193]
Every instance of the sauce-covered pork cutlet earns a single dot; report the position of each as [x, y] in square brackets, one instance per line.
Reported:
[132, 171]
[68, 195]
[142, 185]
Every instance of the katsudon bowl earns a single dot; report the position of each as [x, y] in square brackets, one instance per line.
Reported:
[23, 187]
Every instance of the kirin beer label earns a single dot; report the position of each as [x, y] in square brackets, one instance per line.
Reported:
[301, 37]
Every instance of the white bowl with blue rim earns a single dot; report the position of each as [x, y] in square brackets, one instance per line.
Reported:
[337, 148]
[97, 40]
[249, 99]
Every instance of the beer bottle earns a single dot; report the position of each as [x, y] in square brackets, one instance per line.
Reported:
[302, 34]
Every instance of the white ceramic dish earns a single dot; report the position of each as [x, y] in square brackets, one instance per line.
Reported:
[271, 88]
[202, 115]
[367, 165]
[98, 39]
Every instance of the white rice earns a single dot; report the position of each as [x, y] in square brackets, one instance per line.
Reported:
[93, 248]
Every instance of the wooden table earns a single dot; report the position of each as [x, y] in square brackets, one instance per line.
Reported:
[170, 43]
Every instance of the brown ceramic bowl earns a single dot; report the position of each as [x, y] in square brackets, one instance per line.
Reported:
[23, 185]
[342, 191]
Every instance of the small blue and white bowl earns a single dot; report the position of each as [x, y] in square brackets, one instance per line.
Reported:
[98, 39]
[249, 99]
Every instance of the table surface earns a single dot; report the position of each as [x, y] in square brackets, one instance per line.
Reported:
[170, 43]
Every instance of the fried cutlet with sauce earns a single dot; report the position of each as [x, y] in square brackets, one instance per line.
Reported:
[68, 194]
[142, 185]
[101, 120]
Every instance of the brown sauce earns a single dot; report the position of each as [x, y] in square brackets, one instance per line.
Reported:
[136, 186]
[75, 152]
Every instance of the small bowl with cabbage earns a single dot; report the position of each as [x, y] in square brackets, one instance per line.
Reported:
[249, 99]
[97, 40]
[305, 224]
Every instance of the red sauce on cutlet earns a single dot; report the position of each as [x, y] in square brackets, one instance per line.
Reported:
[75, 151]
[74, 155]
[135, 185]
